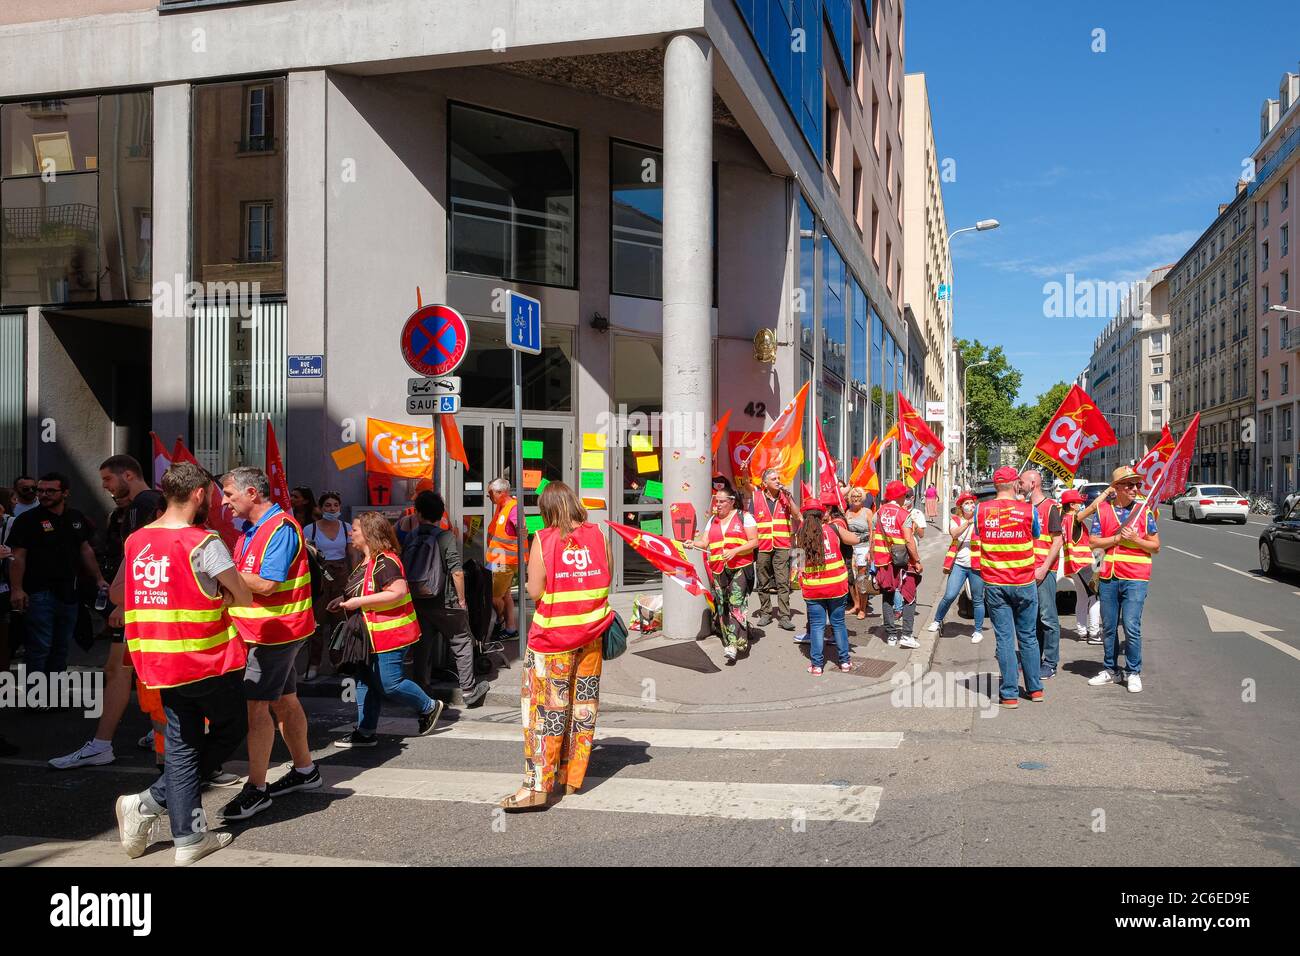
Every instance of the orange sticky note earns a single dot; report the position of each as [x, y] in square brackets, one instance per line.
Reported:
[348, 456]
[596, 504]
[532, 478]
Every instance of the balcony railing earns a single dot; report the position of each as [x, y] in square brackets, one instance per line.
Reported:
[1274, 163]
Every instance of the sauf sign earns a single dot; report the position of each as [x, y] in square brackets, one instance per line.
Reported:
[1075, 429]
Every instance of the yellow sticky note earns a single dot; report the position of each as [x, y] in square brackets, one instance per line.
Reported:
[641, 443]
[348, 456]
[647, 464]
[593, 460]
[593, 441]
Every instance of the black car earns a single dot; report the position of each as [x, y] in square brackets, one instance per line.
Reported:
[1279, 543]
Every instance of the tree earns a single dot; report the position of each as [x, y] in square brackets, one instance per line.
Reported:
[991, 416]
[1037, 416]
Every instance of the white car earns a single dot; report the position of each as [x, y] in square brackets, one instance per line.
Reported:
[1202, 502]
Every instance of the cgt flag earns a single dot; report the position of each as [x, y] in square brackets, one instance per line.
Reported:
[741, 446]
[781, 446]
[920, 446]
[1076, 429]
[1153, 464]
[221, 517]
[1173, 478]
[828, 485]
[275, 471]
[667, 555]
[161, 460]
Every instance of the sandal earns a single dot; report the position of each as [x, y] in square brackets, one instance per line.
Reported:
[862, 615]
[814, 670]
[536, 800]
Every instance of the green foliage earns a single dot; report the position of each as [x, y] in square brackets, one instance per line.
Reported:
[992, 415]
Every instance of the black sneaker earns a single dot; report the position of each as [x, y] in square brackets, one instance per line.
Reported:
[356, 739]
[430, 720]
[250, 801]
[475, 697]
[294, 780]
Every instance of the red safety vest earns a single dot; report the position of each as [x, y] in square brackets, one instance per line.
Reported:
[176, 632]
[284, 615]
[574, 609]
[888, 532]
[392, 625]
[1004, 532]
[721, 539]
[950, 558]
[1043, 543]
[773, 525]
[1078, 555]
[502, 548]
[1121, 560]
[831, 580]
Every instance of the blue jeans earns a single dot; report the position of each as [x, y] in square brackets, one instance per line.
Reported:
[384, 676]
[1049, 625]
[956, 578]
[50, 623]
[1013, 609]
[1121, 603]
[819, 609]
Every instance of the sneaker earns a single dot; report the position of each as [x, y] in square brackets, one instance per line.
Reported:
[762, 619]
[312, 673]
[1135, 683]
[908, 641]
[891, 640]
[802, 638]
[730, 654]
[356, 739]
[785, 624]
[211, 843]
[1036, 696]
[145, 742]
[976, 636]
[93, 753]
[1082, 632]
[430, 720]
[1010, 703]
[295, 780]
[846, 666]
[134, 825]
[250, 801]
[1095, 637]
[933, 626]
[220, 778]
[814, 670]
[1105, 677]
[1047, 673]
[477, 695]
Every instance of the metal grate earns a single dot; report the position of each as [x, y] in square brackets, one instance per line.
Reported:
[12, 402]
[871, 667]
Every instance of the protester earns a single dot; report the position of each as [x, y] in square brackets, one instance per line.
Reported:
[1078, 567]
[137, 506]
[898, 566]
[859, 520]
[442, 616]
[915, 516]
[51, 551]
[272, 560]
[773, 509]
[25, 498]
[329, 535]
[932, 504]
[379, 590]
[569, 578]
[1047, 550]
[502, 554]
[1125, 575]
[1003, 546]
[824, 582]
[303, 504]
[182, 642]
[957, 563]
[729, 538]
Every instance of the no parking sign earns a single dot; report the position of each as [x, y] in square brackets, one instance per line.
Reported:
[435, 340]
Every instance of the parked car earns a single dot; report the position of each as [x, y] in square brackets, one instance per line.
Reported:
[1091, 490]
[1279, 542]
[1203, 502]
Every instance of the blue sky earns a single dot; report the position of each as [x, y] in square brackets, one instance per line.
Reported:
[1101, 164]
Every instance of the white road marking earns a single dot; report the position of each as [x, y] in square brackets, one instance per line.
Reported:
[28, 851]
[1222, 621]
[1244, 574]
[1240, 535]
[1181, 551]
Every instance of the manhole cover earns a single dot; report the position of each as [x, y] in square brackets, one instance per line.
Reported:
[870, 667]
[1031, 765]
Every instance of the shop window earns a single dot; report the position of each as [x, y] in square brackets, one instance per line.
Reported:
[487, 377]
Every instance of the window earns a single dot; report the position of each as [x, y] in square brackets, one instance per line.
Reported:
[258, 135]
[858, 193]
[834, 313]
[807, 277]
[1263, 384]
[875, 121]
[636, 221]
[1263, 256]
[1263, 213]
[875, 232]
[1286, 194]
[1157, 394]
[859, 67]
[1286, 379]
[832, 136]
[513, 197]
[1267, 420]
[1263, 341]
[1286, 236]
[1286, 287]
[1286, 423]
[1263, 298]
[859, 344]
[259, 242]
[877, 368]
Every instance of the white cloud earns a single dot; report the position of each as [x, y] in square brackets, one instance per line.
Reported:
[1126, 258]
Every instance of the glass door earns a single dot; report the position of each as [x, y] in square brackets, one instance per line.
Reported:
[639, 481]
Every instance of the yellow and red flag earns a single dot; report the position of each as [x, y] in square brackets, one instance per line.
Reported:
[781, 446]
[667, 555]
[1076, 429]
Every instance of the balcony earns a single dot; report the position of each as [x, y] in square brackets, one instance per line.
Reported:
[1291, 340]
[1275, 162]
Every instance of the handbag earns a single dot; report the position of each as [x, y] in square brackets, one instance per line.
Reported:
[350, 640]
[614, 642]
[898, 556]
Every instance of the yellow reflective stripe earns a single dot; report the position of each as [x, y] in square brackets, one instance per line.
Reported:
[1022, 563]
[277, 611]
[182, 646]
[389, 625]
[161, 616]
[294, 583]
[570, 620]
[810, 578]
[568, 597]
[989, 546]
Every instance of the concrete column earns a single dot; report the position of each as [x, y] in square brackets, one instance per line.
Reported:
[688, 296]
[171, 265]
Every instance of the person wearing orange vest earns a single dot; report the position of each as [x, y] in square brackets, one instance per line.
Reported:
[898, 566]
[729, 539]
[501, 552]
[824, 581]
[176, 591]
[1126, 531]
[569, 578]
[1005, 531]
[773, 509]
[378, 589]
[1078, 567]
[1047, 552]
[271, 556]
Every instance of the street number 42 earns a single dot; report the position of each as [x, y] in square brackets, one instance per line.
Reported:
[756, 409]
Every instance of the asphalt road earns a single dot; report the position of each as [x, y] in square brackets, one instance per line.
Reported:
[1185, 773]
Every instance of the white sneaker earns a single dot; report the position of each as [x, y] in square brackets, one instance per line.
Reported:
[211, 843]
[891, 641]
[92, 754]
[145, 742]
[909, 641]
[134, 826]
[1094, 637]
[1135, 683]
[933, 626]
[1105, 677]
[976, 636]
[1082, 632]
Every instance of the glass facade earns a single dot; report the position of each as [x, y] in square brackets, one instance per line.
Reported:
[636, 204]
[487, 376]
[834, 311]
[795, 66]
[804, 303]
[638, 387]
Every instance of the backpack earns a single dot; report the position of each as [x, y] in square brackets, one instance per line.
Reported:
[426, 573]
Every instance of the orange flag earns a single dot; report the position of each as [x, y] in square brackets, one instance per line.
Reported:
[781, 446]
[719, 430]
[865, 469]
[451, 436]
[275, 471]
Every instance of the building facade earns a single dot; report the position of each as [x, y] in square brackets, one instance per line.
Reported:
[1213, 319]
[668, 179]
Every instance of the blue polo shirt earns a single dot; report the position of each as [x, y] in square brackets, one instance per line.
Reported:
[1122, 515]
[279, 552]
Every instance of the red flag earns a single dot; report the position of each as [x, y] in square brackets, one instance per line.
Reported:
[741, 446]
[161, 460]
[781, 446]
[181, 453]
[828, 485]
[1173, 478]
[667, 555]
[451, 438]
[866, 466]
[1153, 464]
[719, 430]
[275, 471]
[920, 446]
[1076, 429]
[221, 518]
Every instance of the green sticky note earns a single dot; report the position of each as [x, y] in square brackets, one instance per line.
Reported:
[533, 523]
[593, 479]
[541, 485]
[653, 525]
[532, 449]
[654, 489]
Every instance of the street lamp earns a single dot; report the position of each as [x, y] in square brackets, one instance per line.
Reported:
[965, 457]
[983, 225]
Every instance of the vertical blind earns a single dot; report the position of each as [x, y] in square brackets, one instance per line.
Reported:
[12, 365]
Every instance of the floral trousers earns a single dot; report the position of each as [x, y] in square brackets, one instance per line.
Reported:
[560, 696]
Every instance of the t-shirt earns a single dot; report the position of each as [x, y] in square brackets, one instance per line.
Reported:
[1122, 515]
[451, 561]
[20, 508]
[1053, 519]
[53, 545]
[331, 549]
[209, 561]
[962, 558]
[749, 521]
[385, 574]
[279, 551]
[144, 509]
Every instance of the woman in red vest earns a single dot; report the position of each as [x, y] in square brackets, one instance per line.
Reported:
[824, 581]
[377, 588]
[568, 578]
[1078, 560]
[729, 540]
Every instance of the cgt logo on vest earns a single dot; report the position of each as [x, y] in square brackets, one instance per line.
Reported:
[577, 558]
[151, 571]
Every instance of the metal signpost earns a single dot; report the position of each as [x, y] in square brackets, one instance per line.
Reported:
[524, 334]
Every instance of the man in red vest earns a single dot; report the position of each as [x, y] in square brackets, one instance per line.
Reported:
[1003, 543]
[1047, 548]
[272, 560]
[774, 513]
[176, 585]
[898, 565]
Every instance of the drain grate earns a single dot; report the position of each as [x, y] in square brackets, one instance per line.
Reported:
[871, 667]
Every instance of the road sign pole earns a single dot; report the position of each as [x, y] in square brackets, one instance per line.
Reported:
[521, 530]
